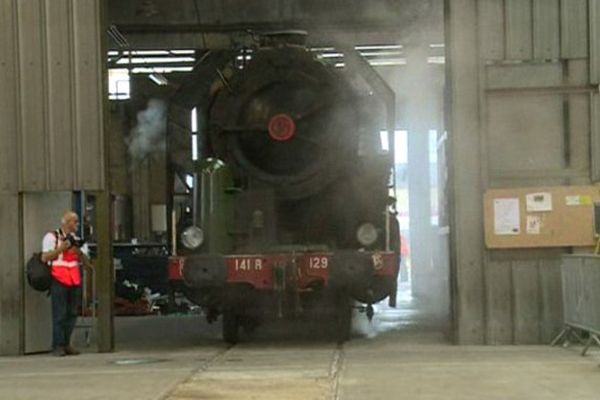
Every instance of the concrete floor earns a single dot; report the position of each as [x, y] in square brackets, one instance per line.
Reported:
[400, 356]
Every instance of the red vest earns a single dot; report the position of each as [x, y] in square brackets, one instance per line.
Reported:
[65, 268]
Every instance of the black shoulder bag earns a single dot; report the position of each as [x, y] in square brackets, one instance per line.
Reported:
[39, 274]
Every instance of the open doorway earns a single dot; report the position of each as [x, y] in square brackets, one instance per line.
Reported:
[409, 57]
[420, 190]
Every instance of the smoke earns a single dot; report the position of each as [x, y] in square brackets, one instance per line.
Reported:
[387, 319]
[149, 134]
[411, 316]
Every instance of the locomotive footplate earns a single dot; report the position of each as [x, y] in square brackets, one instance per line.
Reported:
[364, 274]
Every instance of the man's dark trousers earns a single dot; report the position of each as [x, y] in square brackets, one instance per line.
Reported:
[66, 301]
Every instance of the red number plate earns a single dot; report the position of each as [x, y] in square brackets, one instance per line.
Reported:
[254, 270]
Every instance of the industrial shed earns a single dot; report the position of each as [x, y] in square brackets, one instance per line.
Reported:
[484, 112]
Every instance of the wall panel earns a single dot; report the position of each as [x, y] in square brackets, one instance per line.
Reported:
[8, 98]
[519, 27]
[520, 126]
[594, 28]
[579, 132]
[11, 304]
[59, 96]
[32, 86]
[499, 303]
[491, 14]
[577, 72]
[526, 302]
[550, 299]
[89, 88]
[546, 29]
[574, 28]
[518, 76]
[39, 109]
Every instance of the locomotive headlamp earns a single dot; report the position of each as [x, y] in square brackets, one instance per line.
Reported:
[366, 234]
[192, 237]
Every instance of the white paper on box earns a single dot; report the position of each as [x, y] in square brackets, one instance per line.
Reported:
[534, 224]
[507, 217]
[573, 200]
[537, 202]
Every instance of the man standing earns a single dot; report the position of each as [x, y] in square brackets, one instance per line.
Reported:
[60, 250]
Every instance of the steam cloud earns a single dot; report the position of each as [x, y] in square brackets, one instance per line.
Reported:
[150, 132]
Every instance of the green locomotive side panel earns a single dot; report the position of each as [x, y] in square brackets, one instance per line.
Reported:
[216, 203]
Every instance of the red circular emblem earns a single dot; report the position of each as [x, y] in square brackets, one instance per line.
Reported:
[282, 127]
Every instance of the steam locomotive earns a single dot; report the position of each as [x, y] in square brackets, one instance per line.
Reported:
[291, 212]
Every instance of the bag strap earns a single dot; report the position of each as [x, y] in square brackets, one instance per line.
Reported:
[55, 233]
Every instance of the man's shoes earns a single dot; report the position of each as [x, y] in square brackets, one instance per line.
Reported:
[59, 352]
[71, 351]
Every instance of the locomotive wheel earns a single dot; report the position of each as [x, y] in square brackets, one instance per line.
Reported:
[249, 324]
[343, 315]
[230, 326]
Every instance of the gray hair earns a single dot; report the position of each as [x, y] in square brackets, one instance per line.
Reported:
[67, 216]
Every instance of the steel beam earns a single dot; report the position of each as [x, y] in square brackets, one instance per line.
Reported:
[104, 274]
[104, 262]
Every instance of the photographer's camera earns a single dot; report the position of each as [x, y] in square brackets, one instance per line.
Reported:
[75, 241]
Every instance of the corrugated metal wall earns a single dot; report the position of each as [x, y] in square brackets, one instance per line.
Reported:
[51, 123]
[50, 95]
[526, 119]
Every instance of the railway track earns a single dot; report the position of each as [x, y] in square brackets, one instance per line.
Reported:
[293, 372]
[335, 370]
[203, 367]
